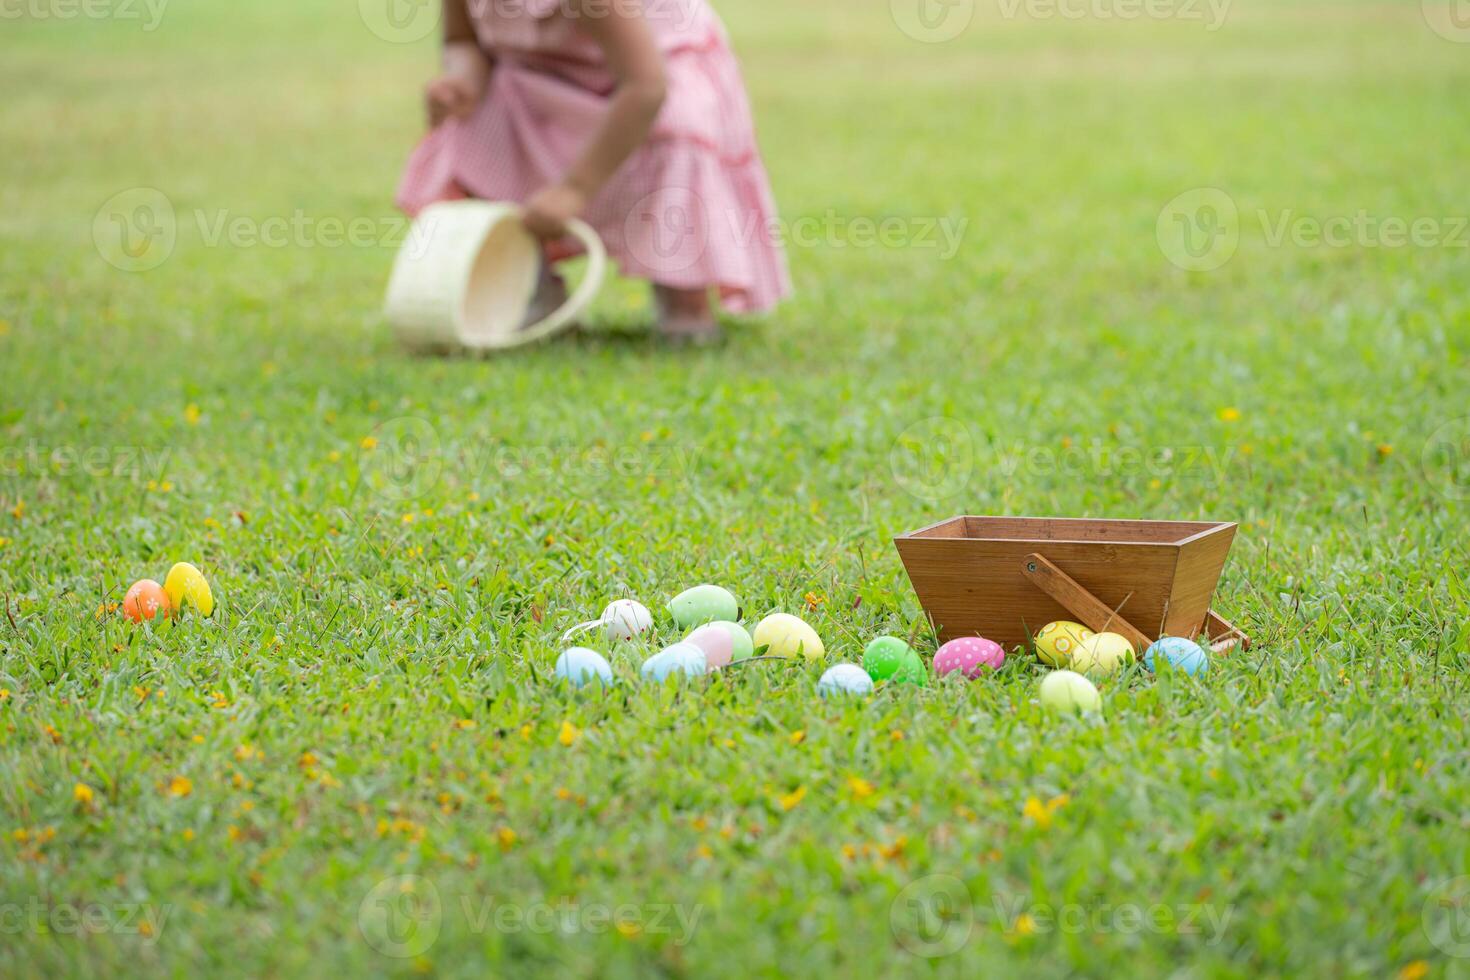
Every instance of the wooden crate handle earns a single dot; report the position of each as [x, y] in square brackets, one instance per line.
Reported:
[1092, 611]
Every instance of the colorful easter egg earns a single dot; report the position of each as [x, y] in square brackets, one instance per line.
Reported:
[186, 584]
[1102, 654]
[844, 679]
[784, 635]
[741, 645]
[970, 655]
[679, 659]
[1181, 654]
[884, 656]
[145, 600]
[626, 619]
[703, 604]
[1069, 692]
[579, 666]
[717, 643]
[912, 671]
[1057, 641]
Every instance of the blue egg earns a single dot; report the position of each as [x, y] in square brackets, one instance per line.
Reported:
[681, 658]
[1182, 654]
[845, 679]
[580, 665]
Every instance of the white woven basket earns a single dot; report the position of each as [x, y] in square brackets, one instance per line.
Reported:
[466, 275]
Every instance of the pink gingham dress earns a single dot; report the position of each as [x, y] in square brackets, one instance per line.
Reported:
[691, 208]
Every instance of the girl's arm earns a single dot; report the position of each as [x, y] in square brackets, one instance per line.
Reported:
[638, 66]
[459, 89]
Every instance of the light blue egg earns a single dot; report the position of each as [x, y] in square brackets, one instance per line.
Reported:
[579, 666]
[681, 658]
[845, 679]
[1181, 654]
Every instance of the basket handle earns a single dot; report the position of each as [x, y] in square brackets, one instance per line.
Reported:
[1094, 613]
[583, 295]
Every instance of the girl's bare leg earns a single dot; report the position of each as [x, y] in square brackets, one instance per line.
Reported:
[685, 315]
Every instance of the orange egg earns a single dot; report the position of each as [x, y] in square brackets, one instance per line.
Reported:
[145, 600]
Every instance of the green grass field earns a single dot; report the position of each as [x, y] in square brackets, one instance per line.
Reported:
[359, 766]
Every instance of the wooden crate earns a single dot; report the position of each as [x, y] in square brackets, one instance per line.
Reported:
[1005, 577]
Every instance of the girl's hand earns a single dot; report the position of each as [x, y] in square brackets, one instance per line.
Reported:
[549, 209]
[452, 96]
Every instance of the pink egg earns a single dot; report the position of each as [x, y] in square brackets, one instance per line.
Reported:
[716, 643]
[970, 655]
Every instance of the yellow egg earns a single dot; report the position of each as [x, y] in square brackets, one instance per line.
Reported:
[784, 635]
[1057, 641]
[185, 583]
[1102, 654]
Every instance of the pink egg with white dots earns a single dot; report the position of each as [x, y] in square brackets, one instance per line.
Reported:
[970, 655]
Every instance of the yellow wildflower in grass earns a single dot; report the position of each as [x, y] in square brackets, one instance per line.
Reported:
[703, 850]
[896, 735]
[894, 850]
[1042, 814]
[628, 929]
[19, 510]
[813, 600]
[797, 737]
[1025, 925]
[526, 732]
[861, 788]
[1417, 970]
[569, 733]
[4, 694]
[793, 799]
[308, 760]
[1384, 451]
[1230, 414]
[187, 834]
[245, 752]
[82, 794]
[506, 838]
[464, 724]
[369, 443]
[179, 787]
[192, 413]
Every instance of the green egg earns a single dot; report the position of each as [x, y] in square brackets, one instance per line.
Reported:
[741, 644]
[703, 604]
[885, 656]
[912, 671]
